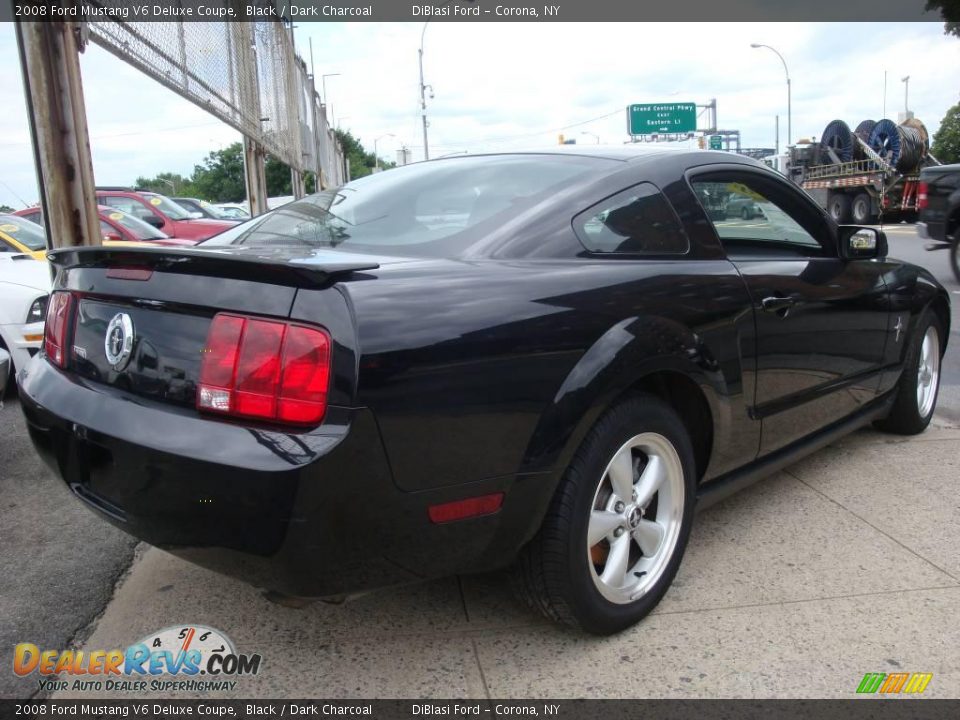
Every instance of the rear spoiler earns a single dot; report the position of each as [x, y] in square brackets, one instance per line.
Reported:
[281, 265]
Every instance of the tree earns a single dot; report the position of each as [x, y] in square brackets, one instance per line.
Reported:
[220, 177]
[361, 161]
[166, 183]
[946, 141]
[950, 10]
[6, 209]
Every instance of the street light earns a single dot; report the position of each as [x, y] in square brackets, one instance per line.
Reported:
[376, 158]
[423, 86]
[906, 93]
[597, 137]
[323, 85]
[787, 72]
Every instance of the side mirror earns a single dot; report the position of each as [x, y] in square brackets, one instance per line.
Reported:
[862, 242]
[196, 215]
[154, 220]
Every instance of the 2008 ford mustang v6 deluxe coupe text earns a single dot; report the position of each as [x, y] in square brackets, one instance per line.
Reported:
[544, 360]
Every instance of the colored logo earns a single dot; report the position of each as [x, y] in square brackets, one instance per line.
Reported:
[187, 651]
[118, 343]
[894, 683]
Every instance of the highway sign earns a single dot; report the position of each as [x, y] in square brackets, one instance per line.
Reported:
[655, 118]
[716, 142]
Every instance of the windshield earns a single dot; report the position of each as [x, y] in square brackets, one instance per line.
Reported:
[24, 231]
[426, 209]
[167, 206]
[136, 227]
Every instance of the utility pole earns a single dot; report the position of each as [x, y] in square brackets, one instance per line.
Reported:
[50, 62]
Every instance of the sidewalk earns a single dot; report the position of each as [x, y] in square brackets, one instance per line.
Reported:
[843, 564]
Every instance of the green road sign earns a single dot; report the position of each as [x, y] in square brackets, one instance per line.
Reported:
[656, 118]
[716, 142]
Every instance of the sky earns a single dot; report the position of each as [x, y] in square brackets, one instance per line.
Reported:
[502, 86]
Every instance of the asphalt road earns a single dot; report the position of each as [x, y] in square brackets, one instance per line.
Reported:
[61, 563]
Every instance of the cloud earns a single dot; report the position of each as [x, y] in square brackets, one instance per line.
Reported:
[500, 86]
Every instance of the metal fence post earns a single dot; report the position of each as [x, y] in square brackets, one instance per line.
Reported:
[49, 58]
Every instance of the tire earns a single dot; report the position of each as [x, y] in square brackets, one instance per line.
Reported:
[746, 214]
[861, 209]
[839, 208]
[559, 575]
[955, 257]
[912, 410]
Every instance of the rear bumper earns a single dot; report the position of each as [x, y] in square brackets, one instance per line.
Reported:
[313, 515]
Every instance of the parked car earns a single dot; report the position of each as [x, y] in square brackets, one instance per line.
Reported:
[745, 208]
[24, 287]
[938, 199]
[4, 373]
[555, 378]
[17, 235]
[234, 211]
[203, 208]
[118, 228]
[161, 212]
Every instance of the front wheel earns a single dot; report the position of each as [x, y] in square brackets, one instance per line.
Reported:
[618, 525]
[916, 393]
[955, 257]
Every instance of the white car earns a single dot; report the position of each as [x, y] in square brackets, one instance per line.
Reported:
[24, 288]
[234, 211]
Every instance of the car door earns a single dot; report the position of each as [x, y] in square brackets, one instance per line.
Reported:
[821, 320]
[135, 207]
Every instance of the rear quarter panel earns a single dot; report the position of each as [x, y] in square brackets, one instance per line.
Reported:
[478, 369]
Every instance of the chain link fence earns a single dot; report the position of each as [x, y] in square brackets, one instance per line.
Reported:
[244, 73]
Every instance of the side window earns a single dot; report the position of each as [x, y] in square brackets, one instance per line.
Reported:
[635, 221]
[751, 217]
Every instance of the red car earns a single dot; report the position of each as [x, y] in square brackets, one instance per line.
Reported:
[118, 227]
[162, 213]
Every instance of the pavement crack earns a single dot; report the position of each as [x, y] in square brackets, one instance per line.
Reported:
[83, 633]
[483, 677]
[870, 524]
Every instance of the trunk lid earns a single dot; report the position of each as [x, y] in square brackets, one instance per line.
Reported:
[164, 299]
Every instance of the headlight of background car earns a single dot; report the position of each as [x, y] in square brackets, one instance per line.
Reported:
[38, 311]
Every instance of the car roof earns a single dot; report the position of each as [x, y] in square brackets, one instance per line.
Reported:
[627, 152]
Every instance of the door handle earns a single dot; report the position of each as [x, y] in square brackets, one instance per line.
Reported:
[778, 305]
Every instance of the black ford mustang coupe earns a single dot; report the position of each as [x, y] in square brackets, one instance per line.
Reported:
[545, 360]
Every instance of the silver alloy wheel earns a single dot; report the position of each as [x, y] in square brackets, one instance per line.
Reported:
[928, 371]
[635, 518]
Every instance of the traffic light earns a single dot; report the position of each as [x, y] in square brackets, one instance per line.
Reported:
[701, 141]
[560, 139]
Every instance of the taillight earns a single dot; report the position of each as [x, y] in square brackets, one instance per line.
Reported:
[55, 327]
[265, 369]
[922, 201]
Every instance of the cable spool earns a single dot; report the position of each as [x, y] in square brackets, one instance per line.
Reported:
[837, 137]
[901, 146]
[921, 128]
[863, 132]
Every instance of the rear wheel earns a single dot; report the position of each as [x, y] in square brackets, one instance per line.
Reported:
[862, 209]
[745, 213]
[839, 208]
[618, 525]
[919, 384]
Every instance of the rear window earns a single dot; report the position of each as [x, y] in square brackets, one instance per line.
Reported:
[433, 209]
